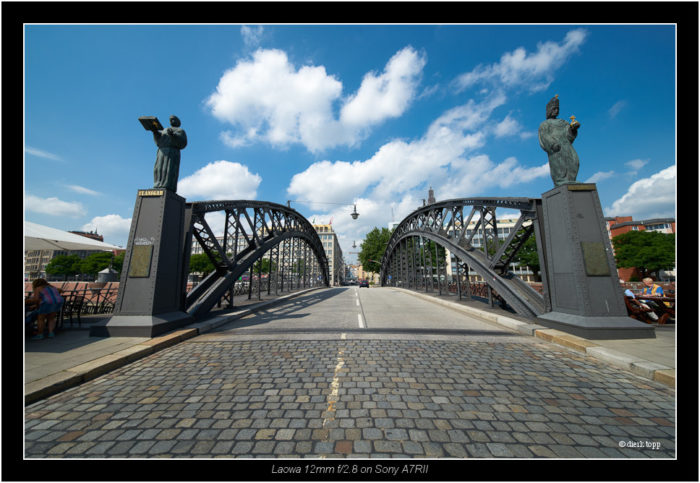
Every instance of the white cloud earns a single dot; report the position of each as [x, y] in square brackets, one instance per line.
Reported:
[400, 169]
[653, 197]
[251, 36]
[616, 108]
[41, 154]
[267, 98]
[113, 228]
[636, 164]
[507, 127]
[82, 190]
[386, 95]
[220, 180]
[519, 68]
[600, 176]
[53, 206]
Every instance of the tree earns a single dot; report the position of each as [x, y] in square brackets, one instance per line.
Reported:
[201, 263]
[95, 263]
[648, 251]
[527, 256]
[66, 265]
[118, 262]
[263, 266]
[373, 248]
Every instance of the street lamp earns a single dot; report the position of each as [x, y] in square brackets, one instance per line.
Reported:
[354, 213]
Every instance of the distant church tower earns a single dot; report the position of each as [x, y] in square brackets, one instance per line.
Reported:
[431, 196]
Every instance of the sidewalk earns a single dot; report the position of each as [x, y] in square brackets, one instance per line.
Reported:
[653, 359]
[73, 357]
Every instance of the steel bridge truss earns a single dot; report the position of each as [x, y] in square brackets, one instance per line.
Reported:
[279, 237]
[411, 261]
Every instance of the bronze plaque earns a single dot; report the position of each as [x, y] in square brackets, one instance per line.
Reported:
[595, 259]
[581, 187]
[140, 265]
[151, 192]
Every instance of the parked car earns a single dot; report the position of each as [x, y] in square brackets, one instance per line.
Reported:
[364, 283]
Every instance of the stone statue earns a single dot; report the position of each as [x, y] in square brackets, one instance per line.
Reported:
[556, 137]
[169, 141]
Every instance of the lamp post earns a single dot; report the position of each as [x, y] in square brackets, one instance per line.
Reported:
[354, 213]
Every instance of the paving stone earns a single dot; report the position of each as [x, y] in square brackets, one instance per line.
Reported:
[416, 398]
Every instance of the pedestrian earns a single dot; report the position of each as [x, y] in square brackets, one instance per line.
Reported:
[50, 303]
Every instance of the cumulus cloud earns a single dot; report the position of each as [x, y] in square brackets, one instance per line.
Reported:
[532, 71]
[53, 206]
[636, 164]
[251, 36]
[385, 95]
[507, 127]
[600, 176]
[400, 169]
[220, 180]
[653, 197]
[267, 98]
[113, 228]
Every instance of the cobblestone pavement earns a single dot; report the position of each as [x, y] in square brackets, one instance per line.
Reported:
[358, 396]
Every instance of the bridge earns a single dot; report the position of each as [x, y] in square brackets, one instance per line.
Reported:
[408, 262]
[253, 231]
[580, 290]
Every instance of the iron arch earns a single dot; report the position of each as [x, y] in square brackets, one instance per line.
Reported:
[480, 248]
[251, 230]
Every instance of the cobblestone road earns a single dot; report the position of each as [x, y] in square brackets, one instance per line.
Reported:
[363, 396]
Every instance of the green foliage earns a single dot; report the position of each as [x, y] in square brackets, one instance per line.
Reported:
[527, 256]
[201, 263]
[65, 265]
[118, 262]
[373, 248]
[648, 251]
[263, 266]
[92, 264]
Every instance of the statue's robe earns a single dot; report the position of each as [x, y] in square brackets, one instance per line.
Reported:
[167, 167]
[563, 162]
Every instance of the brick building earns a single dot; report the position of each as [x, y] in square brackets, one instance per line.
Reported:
[622, 224]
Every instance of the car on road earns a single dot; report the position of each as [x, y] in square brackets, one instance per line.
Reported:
[364, 283]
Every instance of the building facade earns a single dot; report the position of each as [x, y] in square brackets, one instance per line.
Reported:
[622, 224]
[35, 261]
[336, 265]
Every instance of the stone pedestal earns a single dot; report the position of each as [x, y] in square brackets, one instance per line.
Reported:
[583, 286]
[152, 285]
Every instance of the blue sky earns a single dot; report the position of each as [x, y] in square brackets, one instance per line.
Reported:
[332, 116]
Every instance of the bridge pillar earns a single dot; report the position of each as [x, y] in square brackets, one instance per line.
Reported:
[153, 281]
[581, 275]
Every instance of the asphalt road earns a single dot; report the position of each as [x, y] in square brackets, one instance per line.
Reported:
[360, 373]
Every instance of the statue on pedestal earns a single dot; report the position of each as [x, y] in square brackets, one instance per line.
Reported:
[169, 141]
[556, 137]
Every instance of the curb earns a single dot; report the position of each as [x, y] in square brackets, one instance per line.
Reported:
[55, 383]
[641, 367]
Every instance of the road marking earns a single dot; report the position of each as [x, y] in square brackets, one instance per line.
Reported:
[357, 302]
[333, 397]
[359, 320]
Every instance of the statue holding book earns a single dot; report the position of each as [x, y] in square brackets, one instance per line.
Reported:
[556, 137]
[169, 141]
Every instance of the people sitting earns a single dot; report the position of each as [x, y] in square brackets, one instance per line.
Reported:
[49, 301]
[633, 304]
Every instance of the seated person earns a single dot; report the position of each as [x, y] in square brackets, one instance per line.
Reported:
[50, 302]
[653, 290]
[637, 303]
